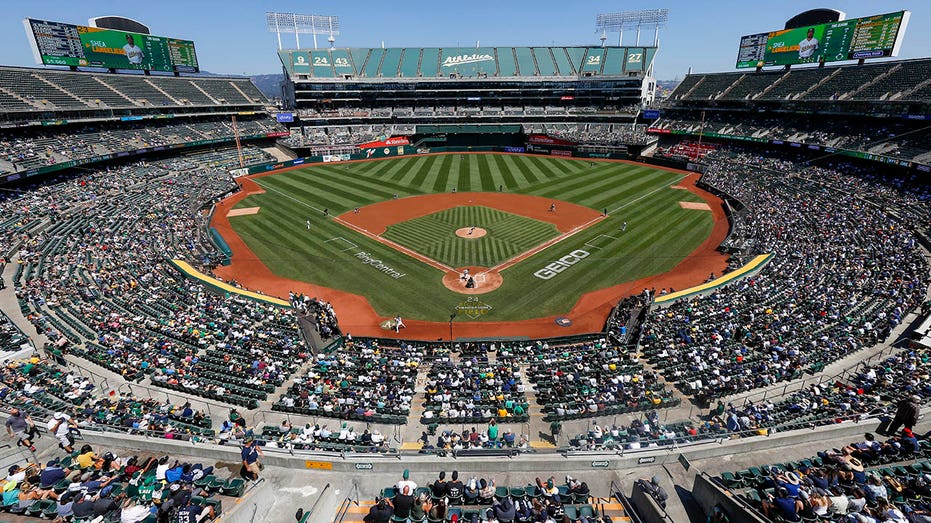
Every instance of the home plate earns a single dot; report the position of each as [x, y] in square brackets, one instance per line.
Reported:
[699, 206]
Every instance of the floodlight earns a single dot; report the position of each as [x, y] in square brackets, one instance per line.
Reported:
[642, 19]
[302, 24]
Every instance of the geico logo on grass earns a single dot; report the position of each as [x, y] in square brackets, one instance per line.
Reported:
[561, 264]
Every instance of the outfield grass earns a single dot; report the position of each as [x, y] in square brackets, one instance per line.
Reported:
[659, 233]
[507, 235]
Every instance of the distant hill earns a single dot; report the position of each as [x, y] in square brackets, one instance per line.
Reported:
[269, 84]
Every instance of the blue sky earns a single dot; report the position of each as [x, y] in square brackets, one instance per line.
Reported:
[231, 39]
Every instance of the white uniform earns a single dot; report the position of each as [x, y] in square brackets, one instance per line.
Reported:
[134, 54]
[807, 47]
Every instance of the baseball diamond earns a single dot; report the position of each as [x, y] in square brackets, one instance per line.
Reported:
[404, 213]
[465, 283]
[507, 235]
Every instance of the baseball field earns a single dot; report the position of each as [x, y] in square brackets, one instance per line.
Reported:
[536, 233]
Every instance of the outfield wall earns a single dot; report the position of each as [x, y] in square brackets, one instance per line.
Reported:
[407, 150]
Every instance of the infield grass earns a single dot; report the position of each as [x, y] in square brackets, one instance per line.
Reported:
[658, 235]
[507, 235]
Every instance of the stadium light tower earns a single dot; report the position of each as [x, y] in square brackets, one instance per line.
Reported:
[643, 19]
[302, 24]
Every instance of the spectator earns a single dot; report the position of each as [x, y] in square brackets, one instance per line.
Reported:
[403, 502]
[250, 459]
[20, 425]
[380, 512]
[906, 414]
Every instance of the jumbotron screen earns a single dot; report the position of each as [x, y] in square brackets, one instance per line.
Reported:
[58, 43]
[870, 37]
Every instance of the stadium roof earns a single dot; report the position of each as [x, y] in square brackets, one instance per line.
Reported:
[466, 62]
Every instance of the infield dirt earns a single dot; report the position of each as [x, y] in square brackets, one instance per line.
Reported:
[358, 317]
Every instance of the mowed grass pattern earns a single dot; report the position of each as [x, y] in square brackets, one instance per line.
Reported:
[658, 236]
[507, 235]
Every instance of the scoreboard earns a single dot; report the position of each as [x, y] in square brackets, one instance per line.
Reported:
[58, 43]
[870, 37]
[752, 50]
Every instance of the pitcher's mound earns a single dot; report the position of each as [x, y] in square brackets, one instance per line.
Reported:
[482, 279]
[471, 232]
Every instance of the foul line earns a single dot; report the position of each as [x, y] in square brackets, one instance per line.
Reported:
[654, 191]
[589, 242]
[545, 245]
[288, 196]
[340, 238]
[398, 247]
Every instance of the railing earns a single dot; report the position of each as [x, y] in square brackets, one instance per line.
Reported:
[678, 442]
[208, 406]
[782, 390]
[347, 502]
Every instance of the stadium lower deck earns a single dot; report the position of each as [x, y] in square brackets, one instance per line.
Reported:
[779, 373]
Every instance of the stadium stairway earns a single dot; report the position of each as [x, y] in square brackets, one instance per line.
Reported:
[538, 428]
[10, 306]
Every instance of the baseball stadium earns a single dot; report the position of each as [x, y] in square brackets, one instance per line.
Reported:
[503, 284]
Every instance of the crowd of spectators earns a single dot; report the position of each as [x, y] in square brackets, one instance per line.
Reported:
[359, 381]
[482, 499]
[318, 312]
[12, 338]
[492, 437]
[888, 137]
[339, 135]
[96, 484]
[42, 388]
[474, 390]
[843, 274]
[596, 379]
[465, 110]
[875, 389]
[597, 133]
[95, 277]
[31, 149]
[867, 481]
[319, 437]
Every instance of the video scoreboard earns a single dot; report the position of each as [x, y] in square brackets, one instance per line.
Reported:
[58, 43]
[870, 37]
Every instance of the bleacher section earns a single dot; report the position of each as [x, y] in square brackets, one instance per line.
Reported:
[873, 82]
[23, 89]
[895, 138]
[50, 146]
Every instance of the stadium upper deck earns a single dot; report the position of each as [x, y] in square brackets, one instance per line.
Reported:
[32, 90]
[458, 76]
[496, 63]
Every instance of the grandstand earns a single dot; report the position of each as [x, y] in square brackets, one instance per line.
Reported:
[874, 112]
[761, 379]
[393, 90]
[86, 118]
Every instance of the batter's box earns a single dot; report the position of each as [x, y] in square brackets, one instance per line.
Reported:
[601, 241]
[350, 247]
